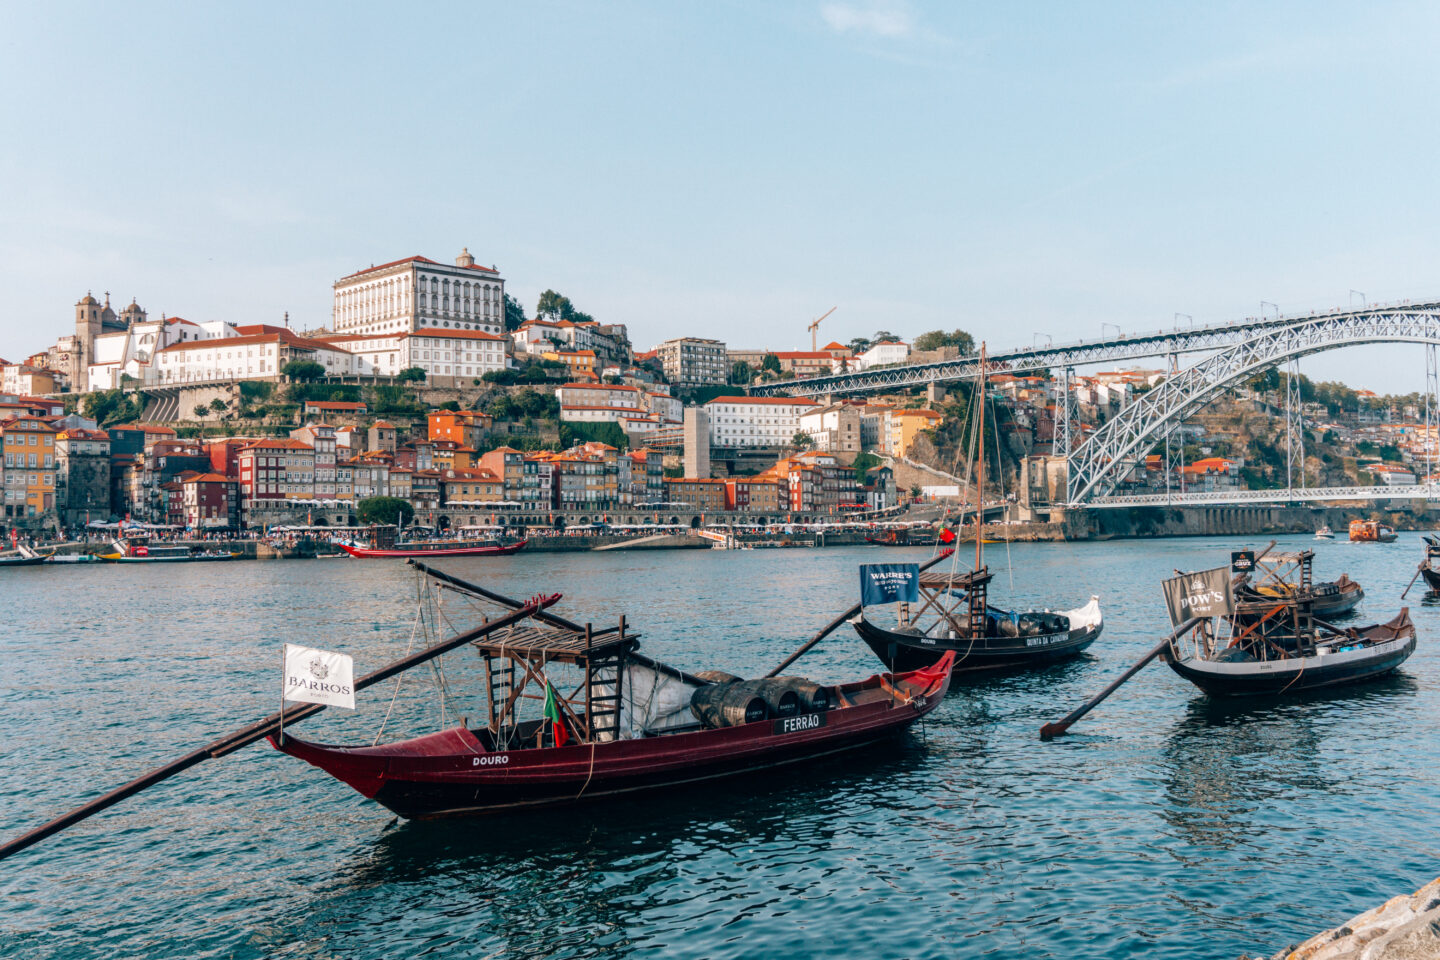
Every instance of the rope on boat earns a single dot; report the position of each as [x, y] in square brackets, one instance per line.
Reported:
[399, 677]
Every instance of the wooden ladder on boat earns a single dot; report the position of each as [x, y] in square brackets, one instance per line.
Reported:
[602, 710]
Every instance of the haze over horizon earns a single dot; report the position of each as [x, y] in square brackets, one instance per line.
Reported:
[730, 170]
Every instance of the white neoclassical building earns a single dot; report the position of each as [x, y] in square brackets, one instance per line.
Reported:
[259, 352]
[417, 293]
[756, 421]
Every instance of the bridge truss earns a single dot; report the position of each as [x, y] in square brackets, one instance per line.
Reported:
[1116, 349]
[1113, 451]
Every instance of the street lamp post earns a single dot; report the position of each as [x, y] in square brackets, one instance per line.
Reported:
[1267, 303]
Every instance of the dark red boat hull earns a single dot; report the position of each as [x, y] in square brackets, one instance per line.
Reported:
[488, 550]
[451, 774]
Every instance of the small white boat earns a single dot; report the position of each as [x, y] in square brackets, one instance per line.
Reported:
[1324, 533]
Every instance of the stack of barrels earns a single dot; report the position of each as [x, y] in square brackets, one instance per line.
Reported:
[729, 701]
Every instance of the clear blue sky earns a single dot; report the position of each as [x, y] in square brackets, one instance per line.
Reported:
[729, 169]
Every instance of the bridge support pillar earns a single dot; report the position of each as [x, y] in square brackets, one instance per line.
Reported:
[934, 392]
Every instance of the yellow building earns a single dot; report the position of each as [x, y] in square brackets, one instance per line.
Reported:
[29, 449]
[902, 426]
[470, 487]
[580, 362]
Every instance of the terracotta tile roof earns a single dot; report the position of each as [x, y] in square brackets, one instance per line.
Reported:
[429, 332]
[273, 335]
[206, 478]
[794, 401]
[415, 259]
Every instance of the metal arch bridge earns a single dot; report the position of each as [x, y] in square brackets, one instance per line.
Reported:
[1158, 343]
[1098, 465]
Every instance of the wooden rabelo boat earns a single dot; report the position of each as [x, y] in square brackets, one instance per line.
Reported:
[1274, 646]
[1280, 575]
[902, 537]
[954, 615]
[1427, 566]
[137, 548]
[631, 725]
[1371, 531]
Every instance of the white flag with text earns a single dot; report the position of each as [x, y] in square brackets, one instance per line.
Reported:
[319, 676]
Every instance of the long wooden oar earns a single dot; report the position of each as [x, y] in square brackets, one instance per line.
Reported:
[840, 620]
[262, 728]
[1413, 579]
[1051, 730]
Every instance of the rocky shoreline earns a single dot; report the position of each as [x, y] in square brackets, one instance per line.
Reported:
[1406, 927]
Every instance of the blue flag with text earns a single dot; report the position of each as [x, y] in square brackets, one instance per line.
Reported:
[889, 582]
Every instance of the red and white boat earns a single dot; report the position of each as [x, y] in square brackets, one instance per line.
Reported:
[437, 548]
[632, 725]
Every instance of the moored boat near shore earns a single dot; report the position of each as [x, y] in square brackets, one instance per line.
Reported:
[630, 725]
[138, 548]
[437, 548]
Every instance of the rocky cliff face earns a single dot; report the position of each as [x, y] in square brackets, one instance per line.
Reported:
[1404, 928]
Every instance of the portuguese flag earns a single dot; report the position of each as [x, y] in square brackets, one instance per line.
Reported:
[552, 713]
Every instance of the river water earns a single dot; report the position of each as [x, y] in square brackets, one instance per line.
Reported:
[1163, 826]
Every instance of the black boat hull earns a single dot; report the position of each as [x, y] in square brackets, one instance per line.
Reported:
[1268, 678]
[1432, 578]
[902, 652]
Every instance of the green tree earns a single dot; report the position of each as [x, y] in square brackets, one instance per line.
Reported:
[802, 440]
[770, 362]
[741, 373]
[305, 370]
[863, 463]
[109, 407]
[449, 405]
[384, 510]
[201, 410]
[885, 336]
[219, 405]
[411, 375]
[514, 313]
[1267, 382]
[859, 345]
[935, 339]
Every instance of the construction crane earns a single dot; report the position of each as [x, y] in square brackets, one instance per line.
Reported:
[816, 326]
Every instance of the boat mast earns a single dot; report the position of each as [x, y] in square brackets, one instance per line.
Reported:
[980, 464]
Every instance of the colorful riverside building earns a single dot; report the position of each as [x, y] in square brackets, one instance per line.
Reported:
[82, 476]
[813, 482]
[29, 473]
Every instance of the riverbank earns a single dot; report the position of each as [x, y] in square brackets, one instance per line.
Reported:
[1406, 927]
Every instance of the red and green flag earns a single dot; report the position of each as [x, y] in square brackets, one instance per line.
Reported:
[552, 713]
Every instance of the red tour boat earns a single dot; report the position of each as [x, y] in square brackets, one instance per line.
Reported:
[383, 544]
[631, 724]
[437, 548]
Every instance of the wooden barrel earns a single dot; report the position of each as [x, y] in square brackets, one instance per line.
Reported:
[814, 698]
[779, 696]
[728, 704]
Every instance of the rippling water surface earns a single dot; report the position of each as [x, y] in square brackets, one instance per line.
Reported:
[1165, 825]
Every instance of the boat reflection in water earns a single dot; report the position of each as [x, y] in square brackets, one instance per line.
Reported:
[1231, 767]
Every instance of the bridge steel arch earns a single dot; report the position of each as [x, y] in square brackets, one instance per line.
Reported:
[1117, 349]
[1095, 468]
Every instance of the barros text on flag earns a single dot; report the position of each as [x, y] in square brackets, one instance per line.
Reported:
[319, 676]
